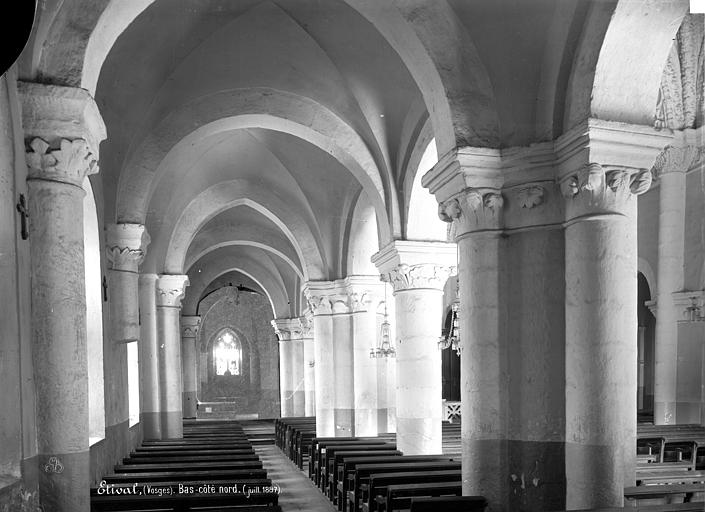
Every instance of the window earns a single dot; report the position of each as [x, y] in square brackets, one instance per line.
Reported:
[227, 354]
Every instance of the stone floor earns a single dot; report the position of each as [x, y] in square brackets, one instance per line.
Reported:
[297, 490]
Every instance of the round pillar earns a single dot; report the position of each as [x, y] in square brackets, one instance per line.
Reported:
[308, 366]
[323, 364]
[190, 326]
[170, 291]
[365, 337]
[297, 377]
[126, 245]
[149, 359]
[601, 334]
[418, 294]
[671, 166]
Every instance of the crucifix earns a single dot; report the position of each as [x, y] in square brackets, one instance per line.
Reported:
[24, 214]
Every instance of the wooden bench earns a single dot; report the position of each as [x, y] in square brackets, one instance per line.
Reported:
[318, 446]
[399, 495]
[337, 461]
[179, 476]
[328, 456]
[380, 482]
[188, 460]
[675, 493]
[359, 473]
[449, 504]
[141, 468]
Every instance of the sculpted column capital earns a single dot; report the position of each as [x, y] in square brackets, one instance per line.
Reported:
[63, 130]
[676, 159]
[287, 329]
[595, 189]
[474, 209]
[70, 163]
[190, 326]
[171, 289]
[126, 245]
[420, 276]
[306, 324]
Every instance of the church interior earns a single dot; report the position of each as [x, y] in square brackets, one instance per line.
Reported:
[269, 247]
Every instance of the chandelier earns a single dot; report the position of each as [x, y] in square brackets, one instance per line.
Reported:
[385, 348]
[451, 338]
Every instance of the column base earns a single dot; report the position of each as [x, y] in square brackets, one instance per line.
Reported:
[172, 424]
[64, 481]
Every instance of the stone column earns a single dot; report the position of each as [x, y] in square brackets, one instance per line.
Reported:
[150, 410]
[170, 291]
[324, 366]
[63, 130]
[288, 330]
[418, 271]
[190, 326]
[126, 245]
[601, 332]
[670, 169]
[308, 365]
[366, 294]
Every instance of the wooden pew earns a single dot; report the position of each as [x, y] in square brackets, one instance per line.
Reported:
[188, 460]
[399, 495]
[675, 493]
[142, 468]
[319, 443]
[380, 482]
[358, 474]
[329, 449]
[449, 504]
[334, 463]
[177, 476]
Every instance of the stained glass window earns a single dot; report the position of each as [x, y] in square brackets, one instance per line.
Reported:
[227, 354]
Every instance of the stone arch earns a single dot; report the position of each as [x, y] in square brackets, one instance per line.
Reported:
[223, 196]
[461, 106]
[360, 242]
[246, 243]
[616, 76]
[645, 268]
[273, 288]
[422, 221]
[240, 109]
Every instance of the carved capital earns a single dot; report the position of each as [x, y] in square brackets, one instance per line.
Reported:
[287, 329]
[425, 275]
[190, 326]
[676, 159]
[126, 245]
[171, 289]
[473, 210]
[597, 189]
[70, 163]
[306, 325]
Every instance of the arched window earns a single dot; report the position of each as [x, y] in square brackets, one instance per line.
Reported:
[227, 354]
